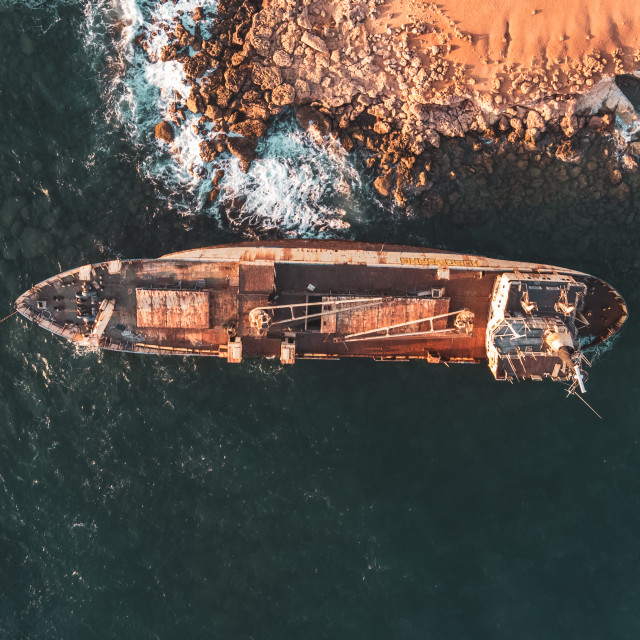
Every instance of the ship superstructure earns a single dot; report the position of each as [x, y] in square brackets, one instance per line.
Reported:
[331, 299]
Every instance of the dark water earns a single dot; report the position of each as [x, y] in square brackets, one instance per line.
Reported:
[165, 498]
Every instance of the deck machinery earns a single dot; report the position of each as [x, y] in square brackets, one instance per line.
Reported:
[334, 299]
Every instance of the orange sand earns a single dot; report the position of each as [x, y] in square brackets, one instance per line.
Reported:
[513, 36]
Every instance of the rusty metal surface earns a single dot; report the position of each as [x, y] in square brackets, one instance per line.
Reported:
[171, 309]
[256, 278]
[241, 277]
[331, 252]
[389, 311]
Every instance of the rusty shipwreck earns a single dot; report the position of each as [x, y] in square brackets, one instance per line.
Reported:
[333, 299]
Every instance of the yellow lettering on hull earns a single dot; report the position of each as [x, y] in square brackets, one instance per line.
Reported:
[439, 262]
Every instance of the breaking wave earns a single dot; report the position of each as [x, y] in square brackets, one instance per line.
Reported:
[295, 188]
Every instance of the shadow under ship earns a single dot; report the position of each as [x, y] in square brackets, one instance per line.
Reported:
[335, 299]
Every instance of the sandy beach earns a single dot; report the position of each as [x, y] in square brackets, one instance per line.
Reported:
[565, 47]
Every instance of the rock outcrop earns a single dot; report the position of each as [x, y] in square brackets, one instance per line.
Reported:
[164, 131]
[394, 89]
[244, 149]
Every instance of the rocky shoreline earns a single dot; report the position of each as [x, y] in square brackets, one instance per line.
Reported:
[355, 85]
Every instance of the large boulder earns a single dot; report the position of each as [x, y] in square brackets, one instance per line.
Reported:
[170, 52]
[222, 97]
[346, 142]
[517, 126]
[381, 127]
[266, 77]
[244, 149]
[313, 121]
[164, 131]
[289, 39]
[257, 110]
[569, 125]
[238, 58]
[183, 36]
[213, 112]
[384, 183]
[235, 77]
[532, 136]
[604, 123]
[214, 48]
[250, 128]
[196, 66]
[283, 95]
[208, 150]
[194, 102]
[303, 19]
[535, 121]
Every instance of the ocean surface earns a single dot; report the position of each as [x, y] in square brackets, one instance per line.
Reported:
[146, 498]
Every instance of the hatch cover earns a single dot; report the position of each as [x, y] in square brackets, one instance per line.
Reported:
[172, 309]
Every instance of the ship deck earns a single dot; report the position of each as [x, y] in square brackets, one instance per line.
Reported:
[198, 302]
[465, 290]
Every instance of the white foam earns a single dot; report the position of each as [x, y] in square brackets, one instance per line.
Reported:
[597, 351]
[627, 130]
[295, 187]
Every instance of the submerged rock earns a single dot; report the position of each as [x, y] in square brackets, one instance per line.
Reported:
[34, 243]
[9, 210]
[26, 46]
[313, 121]
[384, 183]
[244, 149]
[10, 251]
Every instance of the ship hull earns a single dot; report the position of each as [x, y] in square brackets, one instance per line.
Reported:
[298, 299]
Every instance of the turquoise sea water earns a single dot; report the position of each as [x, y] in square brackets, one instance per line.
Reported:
[162, 498]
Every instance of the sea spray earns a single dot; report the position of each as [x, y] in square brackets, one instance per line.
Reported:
[295, 187]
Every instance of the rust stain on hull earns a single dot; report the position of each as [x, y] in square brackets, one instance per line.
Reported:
[274, 299]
